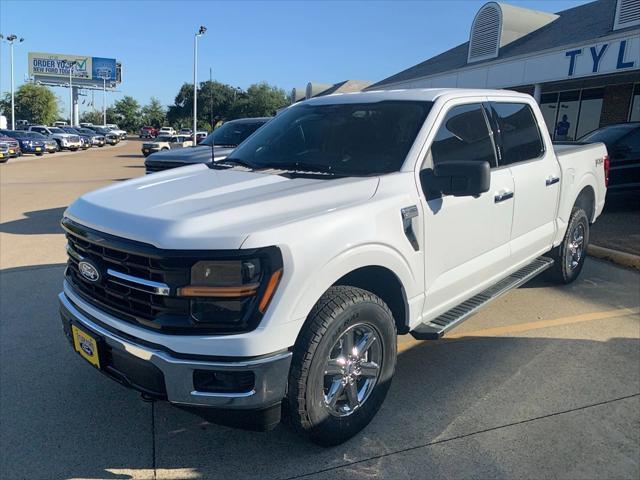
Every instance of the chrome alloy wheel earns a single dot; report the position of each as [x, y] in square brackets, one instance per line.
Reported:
[576, 247]
[351, 372]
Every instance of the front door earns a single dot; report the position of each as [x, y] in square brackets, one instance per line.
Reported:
[466, 238]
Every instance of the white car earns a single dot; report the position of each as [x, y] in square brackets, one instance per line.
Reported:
[122, 134]
[165, 142]
[166, 131]
[279, 277]
[65, 140]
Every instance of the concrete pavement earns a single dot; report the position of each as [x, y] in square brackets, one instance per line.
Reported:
[545, 382]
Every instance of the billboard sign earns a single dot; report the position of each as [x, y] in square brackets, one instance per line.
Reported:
[54, 65]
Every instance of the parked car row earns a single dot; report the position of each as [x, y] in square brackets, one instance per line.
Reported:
[152, 132]
[41, 139]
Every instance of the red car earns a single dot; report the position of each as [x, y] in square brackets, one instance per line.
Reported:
[148, 132]
[12, 144]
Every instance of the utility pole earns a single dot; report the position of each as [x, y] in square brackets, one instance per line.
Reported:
[211, 98]
[195, 80]
[11, 39]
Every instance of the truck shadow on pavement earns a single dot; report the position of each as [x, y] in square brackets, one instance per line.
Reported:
[67, 421]
[37, 222]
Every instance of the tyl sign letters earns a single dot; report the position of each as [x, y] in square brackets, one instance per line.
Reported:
[596, 55]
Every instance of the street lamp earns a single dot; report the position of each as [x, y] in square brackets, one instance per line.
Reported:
[195, 80]
[11, 39]
[104, 100]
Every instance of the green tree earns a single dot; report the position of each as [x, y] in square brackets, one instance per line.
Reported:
[126, 113]
[91, 116]
[154, 113]
[260, 100]
[35, 103]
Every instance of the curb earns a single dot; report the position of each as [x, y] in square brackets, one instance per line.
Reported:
[620, 258]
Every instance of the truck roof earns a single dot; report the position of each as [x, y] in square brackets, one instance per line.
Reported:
[417, 94]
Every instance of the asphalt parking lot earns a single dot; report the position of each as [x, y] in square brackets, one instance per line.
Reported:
[543, 383]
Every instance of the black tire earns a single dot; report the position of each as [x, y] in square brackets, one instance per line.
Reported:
[338, 310]
[566, 268]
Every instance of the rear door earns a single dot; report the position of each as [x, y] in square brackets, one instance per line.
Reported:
[536, 175]
[466, 238]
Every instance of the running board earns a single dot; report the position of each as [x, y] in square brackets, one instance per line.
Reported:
[434, 329]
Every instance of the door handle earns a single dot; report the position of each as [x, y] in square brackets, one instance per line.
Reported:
[552, 179]
[502, 196]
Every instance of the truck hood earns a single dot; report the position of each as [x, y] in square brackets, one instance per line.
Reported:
[199, 208]
[187, 155]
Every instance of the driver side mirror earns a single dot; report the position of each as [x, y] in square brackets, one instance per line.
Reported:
[460, 178]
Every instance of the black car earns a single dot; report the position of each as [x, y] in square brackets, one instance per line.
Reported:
[30, 142]
[623, 144]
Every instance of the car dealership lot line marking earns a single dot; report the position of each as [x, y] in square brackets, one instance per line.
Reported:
[525, 327]
[466, 435]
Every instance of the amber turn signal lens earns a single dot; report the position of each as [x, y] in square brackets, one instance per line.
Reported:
[270, 290]
[223, 292]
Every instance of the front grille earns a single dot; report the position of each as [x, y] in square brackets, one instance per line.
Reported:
[160, 166]
[74, 138]
[126, 299]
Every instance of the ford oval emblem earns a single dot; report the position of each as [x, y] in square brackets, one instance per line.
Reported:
[88, 271]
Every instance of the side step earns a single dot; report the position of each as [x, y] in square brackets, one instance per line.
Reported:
[434, 329]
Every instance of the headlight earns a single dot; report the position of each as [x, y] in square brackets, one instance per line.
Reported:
[233, 294]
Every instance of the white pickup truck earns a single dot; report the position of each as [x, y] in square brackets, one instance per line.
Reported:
[278, 279]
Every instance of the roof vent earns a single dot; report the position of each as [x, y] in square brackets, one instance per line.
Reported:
[627, 14]
[485, 33]
[498, 24]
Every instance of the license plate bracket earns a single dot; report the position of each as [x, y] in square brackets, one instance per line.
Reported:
[87, 345]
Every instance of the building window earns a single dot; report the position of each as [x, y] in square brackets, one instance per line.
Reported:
[590, 111]
[634, 114]
[570, 115]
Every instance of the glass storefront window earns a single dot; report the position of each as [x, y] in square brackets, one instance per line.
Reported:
[549, 107]
[590, 110]
[634, 115]
[567, 120]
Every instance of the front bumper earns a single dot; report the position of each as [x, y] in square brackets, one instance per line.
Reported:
[156, 372]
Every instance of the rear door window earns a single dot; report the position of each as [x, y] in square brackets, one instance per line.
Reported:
[464, 135]
[518, 132]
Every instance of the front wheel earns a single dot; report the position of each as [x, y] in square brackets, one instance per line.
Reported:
[570, 255]
[342, 365]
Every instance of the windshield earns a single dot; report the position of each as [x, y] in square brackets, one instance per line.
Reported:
[344, 139]
[56, 130]
[70, 130]
[163, 139]
[609, 134]
[35, 135]
[86, 131]
[232, 134]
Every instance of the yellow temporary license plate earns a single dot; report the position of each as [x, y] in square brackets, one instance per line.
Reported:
[86, 345]
[38, 149]
[11, 152]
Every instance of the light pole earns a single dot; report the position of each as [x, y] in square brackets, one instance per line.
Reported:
[104, 100]
[195, 80]
[12, 38]
[71, 65]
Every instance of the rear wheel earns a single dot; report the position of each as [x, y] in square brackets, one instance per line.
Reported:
[342, 365]
[570, 255]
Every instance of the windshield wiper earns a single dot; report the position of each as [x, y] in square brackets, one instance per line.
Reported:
[234, 162]
[301, 167]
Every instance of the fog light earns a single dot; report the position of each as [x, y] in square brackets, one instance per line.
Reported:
[223, 381]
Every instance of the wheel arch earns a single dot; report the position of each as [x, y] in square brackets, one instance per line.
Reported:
[586, 200]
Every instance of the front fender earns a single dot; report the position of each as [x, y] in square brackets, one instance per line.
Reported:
[349, 260]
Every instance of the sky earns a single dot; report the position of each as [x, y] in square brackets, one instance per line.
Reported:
[285, 43]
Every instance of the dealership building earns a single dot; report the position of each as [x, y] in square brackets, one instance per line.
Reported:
[582, 65]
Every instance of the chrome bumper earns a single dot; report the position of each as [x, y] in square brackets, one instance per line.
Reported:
[271, 372]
